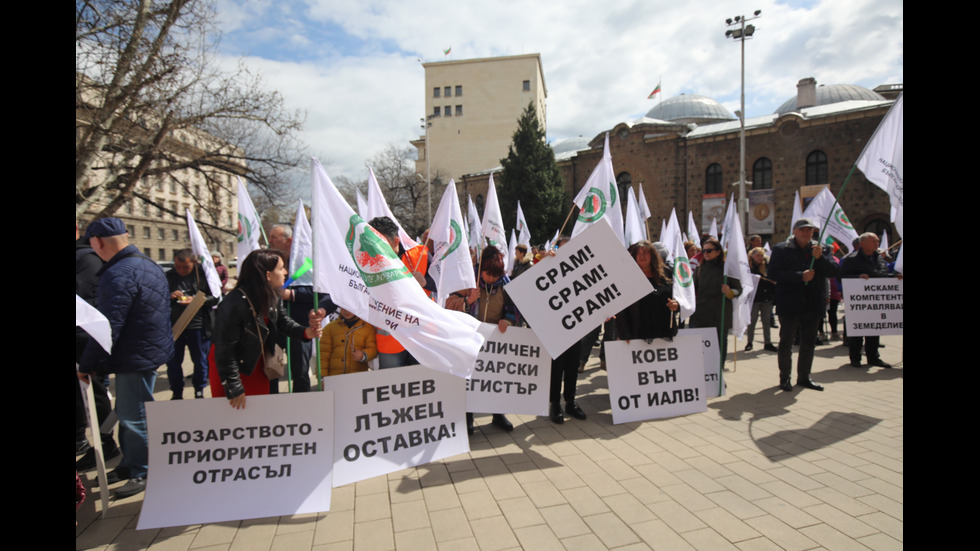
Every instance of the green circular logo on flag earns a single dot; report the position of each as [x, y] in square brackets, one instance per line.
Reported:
[594, 206]
[244, 228]
[842, 219]
[455, 238]
[682, 271]
[375, 260]
[612, 193]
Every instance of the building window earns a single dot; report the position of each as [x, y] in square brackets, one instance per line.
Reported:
[448, 92]
[459, 90]
[173, 187]
[459, 110]
[479, 202]
[173, 207]
[159, 212]
[762, 174]
[162, 254]
[146, 232]
[435, 92]
[436, 111]
[623, 183]
[527, 86]
[131, 230]
[712, 179]
[175, 235]
[146, 251]
[816, 168]
[146, 210]
[160, 184]
[449, 110]
[129, 207]
[161, 233]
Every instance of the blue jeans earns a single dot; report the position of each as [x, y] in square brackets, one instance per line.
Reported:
[199, 346]
[132, 391]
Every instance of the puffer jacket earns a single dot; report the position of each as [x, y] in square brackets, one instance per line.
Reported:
[134, 297]
[338, 343]
[237, 346]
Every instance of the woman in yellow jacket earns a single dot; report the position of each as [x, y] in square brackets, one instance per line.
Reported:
[347, 345]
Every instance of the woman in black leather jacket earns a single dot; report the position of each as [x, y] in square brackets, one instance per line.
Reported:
[248, 321]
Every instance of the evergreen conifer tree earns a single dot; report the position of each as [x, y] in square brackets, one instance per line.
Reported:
[531, 175]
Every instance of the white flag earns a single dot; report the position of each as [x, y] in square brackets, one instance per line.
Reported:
[737, 266]
[883, 160]
[713, 232]
[377, 206]
[451, 268]
[672, 231]
[523, 232]
[361, 205]
[797, 211]
[511, 251]
[365, 276]
[837, 224]
[493, 223]
[692, 229]
[249, 225]
[663, 230]
[599, 198]
[301, 252]
[94, 323]
[730, 214]
[473, 218]
[634, 228]
[203, 256]
[683, 277]
[644, 207]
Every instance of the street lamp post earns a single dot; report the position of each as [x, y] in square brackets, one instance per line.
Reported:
[740, 32]
[426, 123]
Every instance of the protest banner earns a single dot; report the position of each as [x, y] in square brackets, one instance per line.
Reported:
[873, 306]
[656, 380]
[213, 463]
[512, 373]
[396, 418]
[708, 336]
[590, 279]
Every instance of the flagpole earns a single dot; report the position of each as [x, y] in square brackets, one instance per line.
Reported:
[832, 207]
[721, 335]
[562, 230]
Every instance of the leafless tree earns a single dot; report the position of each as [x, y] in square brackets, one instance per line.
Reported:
[152, 105]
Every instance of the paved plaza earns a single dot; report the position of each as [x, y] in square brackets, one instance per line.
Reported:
[762, 469]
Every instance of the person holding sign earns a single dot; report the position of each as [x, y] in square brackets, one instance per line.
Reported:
[248, 322]
[865, 262]
[489, 303]
[564, 368]
[714, 293]
[650, 317]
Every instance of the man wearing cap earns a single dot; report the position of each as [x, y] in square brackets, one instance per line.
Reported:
[800, 299]
[134, 297]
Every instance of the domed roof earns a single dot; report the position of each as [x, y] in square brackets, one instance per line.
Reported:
[687, 109]
[566, 145]
[833, 93]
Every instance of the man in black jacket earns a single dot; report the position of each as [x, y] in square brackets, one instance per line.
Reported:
[185, 280]
[865, 262]
[801, 299]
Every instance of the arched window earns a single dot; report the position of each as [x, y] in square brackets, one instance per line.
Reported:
[712, 179]
[762, 174]
[816, 168]
[479, 203]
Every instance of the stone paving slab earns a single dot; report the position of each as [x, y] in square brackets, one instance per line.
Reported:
[761, 469]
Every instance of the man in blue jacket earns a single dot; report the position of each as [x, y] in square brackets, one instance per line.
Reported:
[801, 299]
[134, 297]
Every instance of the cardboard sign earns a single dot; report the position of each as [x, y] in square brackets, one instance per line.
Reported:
[591, 278]
[512, 373]
[651, 381]
[711, 355]
[210, 462]
[392, 419]
[874, 306]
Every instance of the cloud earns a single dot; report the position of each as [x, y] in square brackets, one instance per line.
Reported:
[352, 65]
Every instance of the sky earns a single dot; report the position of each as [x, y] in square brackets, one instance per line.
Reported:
[354, 69]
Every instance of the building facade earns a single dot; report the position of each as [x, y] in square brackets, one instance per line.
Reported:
[472, 108]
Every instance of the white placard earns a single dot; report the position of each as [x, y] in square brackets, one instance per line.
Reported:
[210, 462]
[392, 419]
[651, 381]
[512, 374]
[874, 306]
[711, 355]
[590, 279]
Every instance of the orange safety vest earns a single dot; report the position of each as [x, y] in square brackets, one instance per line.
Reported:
[415, 259]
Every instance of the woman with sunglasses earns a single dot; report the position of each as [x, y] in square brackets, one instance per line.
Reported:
[714, 294]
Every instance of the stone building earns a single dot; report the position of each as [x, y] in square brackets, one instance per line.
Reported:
[685, 154]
